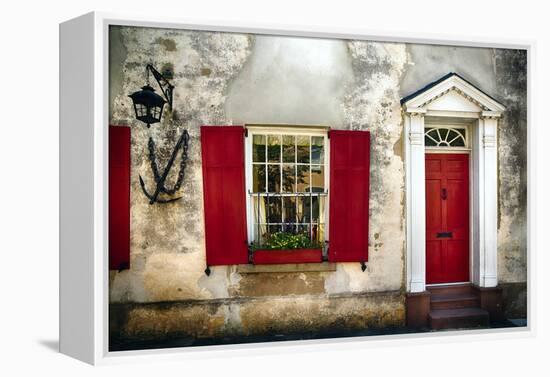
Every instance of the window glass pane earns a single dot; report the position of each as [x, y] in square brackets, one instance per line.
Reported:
[274, 148]
[303, 229]
[456, 139]
[289, 177]
[260, 233]
[258, 148]
[303, 213]
[303, 178]
[260, 209]
[318, 209]
[443, 132]
[429, 141]
[273, 178]
[289, 228]
[258, 178]
[317, 178]
[302, 149]
[317, 150]
[433, 134]
[457, 142]
[289, 207]
[273, 229]
[318, 233]
[289, 148]
[274, 210]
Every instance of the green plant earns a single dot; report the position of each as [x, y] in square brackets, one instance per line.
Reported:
[285, 241]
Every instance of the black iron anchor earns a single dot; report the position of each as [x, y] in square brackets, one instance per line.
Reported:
[181, 144]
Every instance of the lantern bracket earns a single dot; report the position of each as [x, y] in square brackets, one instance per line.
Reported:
[165, 86]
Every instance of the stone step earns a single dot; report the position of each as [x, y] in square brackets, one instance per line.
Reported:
[454, 301]
[458, 318]
[465, 288]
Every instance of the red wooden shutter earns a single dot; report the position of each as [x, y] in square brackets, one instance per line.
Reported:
[224, 195]
[349, 196]
[119, 197]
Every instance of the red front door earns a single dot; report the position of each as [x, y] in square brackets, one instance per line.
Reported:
[447, 218]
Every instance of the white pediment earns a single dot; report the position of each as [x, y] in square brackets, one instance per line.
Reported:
[453, 101]
[452, 93]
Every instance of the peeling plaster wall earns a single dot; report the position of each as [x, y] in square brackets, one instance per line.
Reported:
[346, 85]
[167, 241]
[225, 78]
[292, 81]
[372, 103]
[511, 82]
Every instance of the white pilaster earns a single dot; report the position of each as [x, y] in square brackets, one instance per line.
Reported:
[417, 198]
[488, 245]
[478, 208]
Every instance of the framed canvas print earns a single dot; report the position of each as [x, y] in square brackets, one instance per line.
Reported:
[223, 185]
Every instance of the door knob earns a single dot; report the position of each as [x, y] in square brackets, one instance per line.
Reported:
[444, 194]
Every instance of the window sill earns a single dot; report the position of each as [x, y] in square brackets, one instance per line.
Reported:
[287, 267]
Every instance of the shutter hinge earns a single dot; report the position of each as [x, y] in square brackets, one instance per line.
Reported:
[207, 271]
[245, 132]
[250, 252]
[363, 266]
[325, 251]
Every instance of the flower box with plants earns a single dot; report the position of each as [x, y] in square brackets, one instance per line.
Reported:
[285, 247]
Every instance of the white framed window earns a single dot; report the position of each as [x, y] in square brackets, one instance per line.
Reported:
[455, 137]
[287, 176]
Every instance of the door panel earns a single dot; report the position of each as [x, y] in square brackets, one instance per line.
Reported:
[447, 218]
[457, 263]
[433, 204]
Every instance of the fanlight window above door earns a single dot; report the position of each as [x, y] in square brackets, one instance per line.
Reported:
[444, 137]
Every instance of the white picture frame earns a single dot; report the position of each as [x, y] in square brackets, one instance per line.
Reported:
[84, 187]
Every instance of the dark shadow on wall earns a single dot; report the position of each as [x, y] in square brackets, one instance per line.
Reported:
[120, 344]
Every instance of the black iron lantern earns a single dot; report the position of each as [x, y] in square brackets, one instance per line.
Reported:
[148, 105]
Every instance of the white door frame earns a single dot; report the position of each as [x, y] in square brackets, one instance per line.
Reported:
[453, 123]
[452, 98]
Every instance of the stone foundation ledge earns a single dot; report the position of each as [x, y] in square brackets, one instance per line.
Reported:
[258, 316]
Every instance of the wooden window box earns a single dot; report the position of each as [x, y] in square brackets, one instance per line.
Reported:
[287, 256]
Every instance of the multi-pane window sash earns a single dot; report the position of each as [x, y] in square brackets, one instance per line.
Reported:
[296, 212]
[289, 185]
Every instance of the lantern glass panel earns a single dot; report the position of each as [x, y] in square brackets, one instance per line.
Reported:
[141, 110]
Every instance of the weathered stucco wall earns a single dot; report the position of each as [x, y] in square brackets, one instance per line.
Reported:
[346, 85]
[224, 78]
[233, 79]
[167, 241]
[511, 83]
